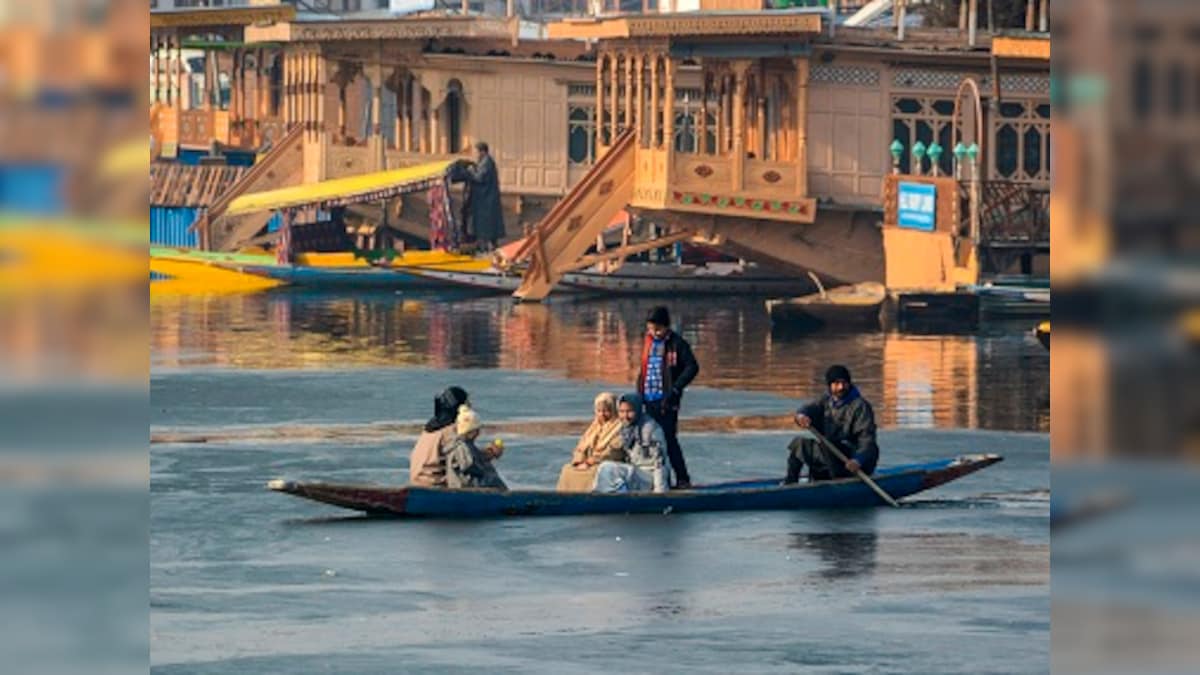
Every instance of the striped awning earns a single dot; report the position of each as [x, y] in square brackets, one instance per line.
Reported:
[343, 191]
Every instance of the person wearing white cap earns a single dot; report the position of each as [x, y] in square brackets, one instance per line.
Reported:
[466, 465]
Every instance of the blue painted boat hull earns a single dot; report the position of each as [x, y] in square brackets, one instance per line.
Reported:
[341, 277]
[756, 495]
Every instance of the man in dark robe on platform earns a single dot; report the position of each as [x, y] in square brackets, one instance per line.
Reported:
[483, 198]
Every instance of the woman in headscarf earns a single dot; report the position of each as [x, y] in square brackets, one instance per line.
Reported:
[427, 464]
[466, 465]
[644, 468]
[601, 442]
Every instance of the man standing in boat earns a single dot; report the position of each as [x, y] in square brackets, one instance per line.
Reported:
[845, 419]
[483, 197]
[668, 367]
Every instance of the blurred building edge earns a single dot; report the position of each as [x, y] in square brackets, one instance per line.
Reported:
[71, 83]
[1124, 233]
[1124, 169]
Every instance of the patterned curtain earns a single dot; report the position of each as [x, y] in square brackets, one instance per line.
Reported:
[444, 231]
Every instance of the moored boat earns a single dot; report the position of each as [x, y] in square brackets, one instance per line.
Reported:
[854, 305]
[1042, 331]
[752, 495]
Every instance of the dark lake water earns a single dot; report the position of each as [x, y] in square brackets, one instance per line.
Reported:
[282, 384]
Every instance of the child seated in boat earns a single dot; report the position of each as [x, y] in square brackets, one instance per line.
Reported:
[427, 464]
[601, 442]
[645, 447]
[466, 465]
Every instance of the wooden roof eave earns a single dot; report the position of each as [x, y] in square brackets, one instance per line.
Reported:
[222, 16]
[777, 23]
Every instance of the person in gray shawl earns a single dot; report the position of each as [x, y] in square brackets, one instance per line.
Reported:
[466, 465]
[645, 447]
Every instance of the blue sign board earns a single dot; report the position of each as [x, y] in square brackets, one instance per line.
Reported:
[918, 206]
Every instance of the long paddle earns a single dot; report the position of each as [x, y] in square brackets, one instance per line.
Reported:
[861, 474]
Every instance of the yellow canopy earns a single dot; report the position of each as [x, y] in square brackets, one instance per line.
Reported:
[342, 191]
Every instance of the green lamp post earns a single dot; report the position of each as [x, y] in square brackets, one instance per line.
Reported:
[897, 150]
[960, 153]
[935, 155]
[918, 153]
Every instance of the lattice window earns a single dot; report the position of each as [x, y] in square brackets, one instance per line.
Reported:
[581, 91]
[1021, 141]
[1025, 84]
[925, 119]
[920, 78]
[581, 134]
[845, 75]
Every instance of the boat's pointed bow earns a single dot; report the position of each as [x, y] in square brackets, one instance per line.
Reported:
[957, 468]
[373, 499]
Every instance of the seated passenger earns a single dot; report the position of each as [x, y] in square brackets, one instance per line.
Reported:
[427, 464]
[646, 449]
[466, 465]
[601, 441]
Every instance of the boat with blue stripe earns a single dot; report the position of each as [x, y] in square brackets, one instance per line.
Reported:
[748, 495]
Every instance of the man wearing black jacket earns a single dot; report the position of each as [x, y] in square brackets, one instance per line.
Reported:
[845, 419]
[668, 367]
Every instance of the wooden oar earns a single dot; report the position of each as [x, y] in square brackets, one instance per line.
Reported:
[861, 474]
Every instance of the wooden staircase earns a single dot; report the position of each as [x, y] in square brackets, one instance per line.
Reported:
[282, 166]
[571, 227]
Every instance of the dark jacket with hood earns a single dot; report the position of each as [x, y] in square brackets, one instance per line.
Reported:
[848, 423]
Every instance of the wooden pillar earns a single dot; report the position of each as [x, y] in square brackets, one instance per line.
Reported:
[760, 120]
[322, 90]
[207, 102]
[628, 90]
[466, 6]
[155, 68]
[654, 123]
[600, 100]
[962, 14]
[702, 124]
[972, 21]
[1044, 17]
[612, 107]
[739, 124]
[722, 110]
[668, 121]
[640, 114]
[801, 126]
[1029, 14]
[901, 10]
[286, 93]
[510, 9]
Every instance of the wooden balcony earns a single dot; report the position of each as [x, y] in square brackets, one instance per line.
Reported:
[722, 185]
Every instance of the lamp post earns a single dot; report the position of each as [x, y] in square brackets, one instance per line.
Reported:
[918, 153]
[972, 153]
[935, 155]
[897, 149]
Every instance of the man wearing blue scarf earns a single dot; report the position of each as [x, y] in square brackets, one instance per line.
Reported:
[843, 417]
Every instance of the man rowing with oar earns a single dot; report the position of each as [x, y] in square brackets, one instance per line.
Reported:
[846, 420]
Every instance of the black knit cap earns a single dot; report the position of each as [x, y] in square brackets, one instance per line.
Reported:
[838, 372]
[659, 315]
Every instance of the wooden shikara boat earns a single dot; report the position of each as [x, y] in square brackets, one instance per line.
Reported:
[752, 495]
[856, 305]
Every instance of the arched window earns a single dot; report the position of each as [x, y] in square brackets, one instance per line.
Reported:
[224, 90]
[581, 134]
[454, 113]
